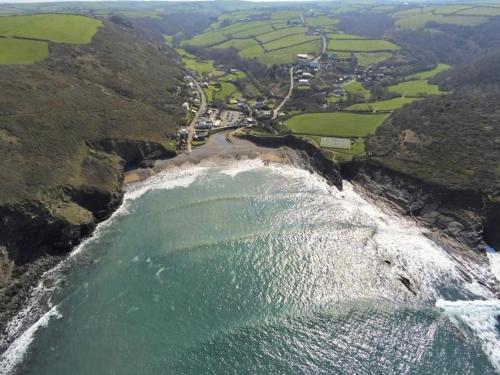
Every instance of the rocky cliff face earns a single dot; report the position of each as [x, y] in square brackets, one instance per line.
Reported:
[34, 234]
[465, 215]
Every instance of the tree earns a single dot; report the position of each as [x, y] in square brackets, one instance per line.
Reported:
[178, 38]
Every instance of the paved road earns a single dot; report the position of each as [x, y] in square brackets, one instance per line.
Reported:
[290, 90]
[324, 45]
[201, 111]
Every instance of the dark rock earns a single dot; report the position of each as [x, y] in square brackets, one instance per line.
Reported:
[461, 214]
[407, 283]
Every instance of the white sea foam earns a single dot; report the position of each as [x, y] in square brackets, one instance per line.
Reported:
[35, 314]
[480, 316]
[242, 166]
[494, 259]
[396, 238]
[16, 351]
[167, 180]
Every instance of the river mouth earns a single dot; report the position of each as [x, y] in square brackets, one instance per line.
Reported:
[251, 268]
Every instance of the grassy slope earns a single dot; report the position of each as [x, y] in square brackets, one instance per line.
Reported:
[415, 89]
[356, 88]
[371, 58]
[61, 28]
[418, 20]
[289, 41]
[116, 87]
[287, 55]
[363, 45]
[383, 105]
[342, 124]
[19, 51]
[281, 33]
[432, 73]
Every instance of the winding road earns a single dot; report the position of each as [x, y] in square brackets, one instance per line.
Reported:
[324, 44]
[277, 110]
[201, 111]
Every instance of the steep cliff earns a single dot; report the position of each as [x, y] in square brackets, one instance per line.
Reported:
[69, 126]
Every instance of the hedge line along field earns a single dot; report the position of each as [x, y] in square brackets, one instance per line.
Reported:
[415, 19]
[239, 44]
[341, 124]
[341, 36]
[415, 89]
[59, 28]
[287, 55]
[271, 47]
[481, 11]
[282, 33]
[289, 41]
[21, 51]
[363, 45]
[321, 21]
[383, 105]
[371, 58]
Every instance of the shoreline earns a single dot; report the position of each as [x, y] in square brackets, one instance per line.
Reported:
[223, 149]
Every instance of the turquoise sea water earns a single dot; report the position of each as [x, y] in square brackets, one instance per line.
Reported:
[256, 270]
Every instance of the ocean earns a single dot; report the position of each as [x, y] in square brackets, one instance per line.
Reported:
[257, 269]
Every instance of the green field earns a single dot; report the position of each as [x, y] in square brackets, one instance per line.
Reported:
[363, 45]
[285, 15]
[341, 36]
[281, 33]
[253, 31]
[341, 124]
[419, 20]
[208, 39]
[287, 55]
[252, 52]
[383, 105]
[481, 11]
[321, 21]
[449, 9]
[20, 51]
[415, 89]
[433, 72]
[239, 44]
[356, 88]
[60, 28]
[371, 58]
[193, 63]
[290, 41]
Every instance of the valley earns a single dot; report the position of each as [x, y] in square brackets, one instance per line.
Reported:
[396, 101]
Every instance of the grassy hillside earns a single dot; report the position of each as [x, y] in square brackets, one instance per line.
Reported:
[119, 86]
[60, 28]
[342, 124]
[20, 51]
[415, 89]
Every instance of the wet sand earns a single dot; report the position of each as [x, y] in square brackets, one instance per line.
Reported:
[221, 148]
